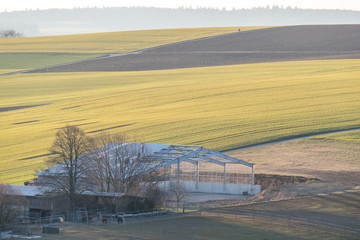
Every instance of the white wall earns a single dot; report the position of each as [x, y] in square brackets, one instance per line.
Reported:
[208, 187]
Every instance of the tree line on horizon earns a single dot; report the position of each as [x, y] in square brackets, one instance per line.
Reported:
[81, 20]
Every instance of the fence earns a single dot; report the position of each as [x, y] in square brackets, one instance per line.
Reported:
[30, 226]
[34, 225]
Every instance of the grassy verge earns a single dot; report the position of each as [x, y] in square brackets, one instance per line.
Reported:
[218, 107]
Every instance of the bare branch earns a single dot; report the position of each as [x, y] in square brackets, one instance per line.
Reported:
[68, 153]
[11, 204]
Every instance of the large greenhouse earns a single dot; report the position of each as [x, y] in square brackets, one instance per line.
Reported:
[198, 169]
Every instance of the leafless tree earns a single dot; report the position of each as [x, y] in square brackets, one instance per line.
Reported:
[11, 204]
[155, 195]
[68, 153]
[119, 164]
[179, 191]
[10, 34]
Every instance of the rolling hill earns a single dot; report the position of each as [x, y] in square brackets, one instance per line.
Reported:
[220, 107]
[291, 43]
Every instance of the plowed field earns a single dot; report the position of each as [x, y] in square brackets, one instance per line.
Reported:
[264, 45]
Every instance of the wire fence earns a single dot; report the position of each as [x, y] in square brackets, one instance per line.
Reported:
[32, 225]
[37, 225]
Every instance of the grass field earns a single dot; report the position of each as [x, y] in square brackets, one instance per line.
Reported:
[218, 107]
[3, 71]
[112, 42]
[349, 137]
[193, 228]
[13, 62]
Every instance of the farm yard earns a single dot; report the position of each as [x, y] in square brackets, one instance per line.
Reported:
[294, 219]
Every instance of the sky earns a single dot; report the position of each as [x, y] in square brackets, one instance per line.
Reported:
[18, 5]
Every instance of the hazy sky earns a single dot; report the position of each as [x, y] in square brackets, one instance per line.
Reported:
[14, 5]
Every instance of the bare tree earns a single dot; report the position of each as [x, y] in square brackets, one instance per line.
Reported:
[119, 164]
[179, 190]
[68, 153]
[11, 204]
[10, 34]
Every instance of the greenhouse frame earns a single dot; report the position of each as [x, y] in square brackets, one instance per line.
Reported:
[198, 169]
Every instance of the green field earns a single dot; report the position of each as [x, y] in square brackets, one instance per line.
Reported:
[348, 137]
[217, 107]
[193, 228]
[13, 62]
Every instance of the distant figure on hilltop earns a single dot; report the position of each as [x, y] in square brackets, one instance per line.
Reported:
[239, 29]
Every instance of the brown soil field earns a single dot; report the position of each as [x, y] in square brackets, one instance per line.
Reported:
[289, 43]
[336, 163]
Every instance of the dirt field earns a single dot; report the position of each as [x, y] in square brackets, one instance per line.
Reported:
[267, 45]
[335, 162]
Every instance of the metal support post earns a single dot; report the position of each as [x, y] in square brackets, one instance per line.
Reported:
[252, 175]
[197, 175]
[178, 173]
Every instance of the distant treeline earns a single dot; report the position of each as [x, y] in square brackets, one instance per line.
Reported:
[88, 20]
